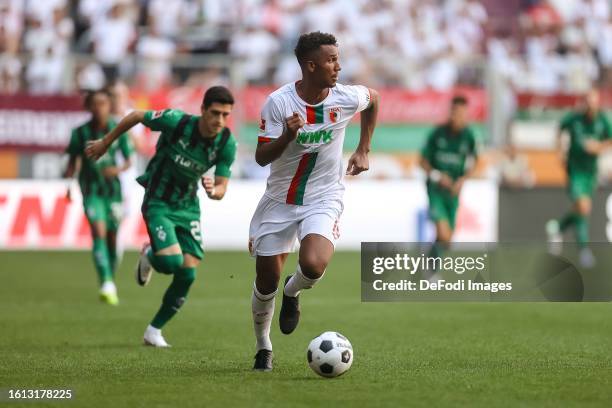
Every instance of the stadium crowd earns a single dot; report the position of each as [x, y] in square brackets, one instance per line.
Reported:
[547, 46]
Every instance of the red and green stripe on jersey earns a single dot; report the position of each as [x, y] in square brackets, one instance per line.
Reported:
[314, 114]
[295, 195]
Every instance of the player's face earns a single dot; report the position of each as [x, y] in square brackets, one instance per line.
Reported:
[100, 107]
[458, 116]
[325, 66]
[592, 102]
[216, 116]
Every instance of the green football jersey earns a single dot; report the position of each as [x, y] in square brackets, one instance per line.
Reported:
[182, 157]
[91, 179]
[581, 129]
[449, 152]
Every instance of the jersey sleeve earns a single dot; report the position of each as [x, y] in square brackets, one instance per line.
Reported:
[162, 120]
[566, 122]
[272, 122]
[361, 97]
[75, 147]
[125, 146]
[226, 158]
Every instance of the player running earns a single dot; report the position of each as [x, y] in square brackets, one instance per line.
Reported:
[301, 134]
[449, 158]
[589, 134]
[187, 147]
[100, 187]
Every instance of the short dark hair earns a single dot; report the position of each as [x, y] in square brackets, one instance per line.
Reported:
[217, 94]
[459, 100]
[311, 42]
[91, 93]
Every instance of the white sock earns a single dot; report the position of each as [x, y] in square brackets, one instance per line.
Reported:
[262, 307]
[153, 330]
[298, 282]
[108, 286]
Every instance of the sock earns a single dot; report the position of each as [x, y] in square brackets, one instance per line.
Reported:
[582, 230]
[262, 307]
[174, 297]
[101, 260]
[567, 221]
[112, 258]
[298, 282]
[166, 264]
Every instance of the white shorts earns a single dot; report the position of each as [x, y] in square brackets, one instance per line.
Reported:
[276, 226]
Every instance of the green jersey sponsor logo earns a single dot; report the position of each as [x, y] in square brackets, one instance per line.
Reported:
[318, 136]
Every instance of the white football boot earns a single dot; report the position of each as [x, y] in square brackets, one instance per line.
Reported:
[153, 337]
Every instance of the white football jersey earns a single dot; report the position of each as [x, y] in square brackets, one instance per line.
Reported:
[310, 169]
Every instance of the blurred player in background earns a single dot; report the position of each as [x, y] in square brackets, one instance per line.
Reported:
[302, 135]
[449, 158]
[100, 187]
[187, 147]
[589, 134]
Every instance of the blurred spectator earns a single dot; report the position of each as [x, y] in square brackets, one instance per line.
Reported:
[157, 52]
[113, 36]
[256, 48]
[167, 18]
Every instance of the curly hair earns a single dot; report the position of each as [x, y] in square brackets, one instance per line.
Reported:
[311, 42]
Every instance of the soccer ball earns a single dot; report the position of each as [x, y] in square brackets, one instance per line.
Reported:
[330, 354]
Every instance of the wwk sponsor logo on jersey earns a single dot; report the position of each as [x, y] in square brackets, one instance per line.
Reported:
[316, 137]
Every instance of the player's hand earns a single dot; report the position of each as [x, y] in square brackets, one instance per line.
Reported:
[96, 149]
[593, 147]
[209, 186]
[111, 172]
[294, 123]
[446, 182]
[457, 186]
[357, 163]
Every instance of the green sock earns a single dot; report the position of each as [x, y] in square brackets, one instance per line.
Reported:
[101, 260]
[567, 220]
[174, 297]
[112, 258]
[582, 230]
[436, 250]
[166, 264]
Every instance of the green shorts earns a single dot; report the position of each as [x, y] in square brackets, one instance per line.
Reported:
[581, 184]
[167, 226]
[103, 209]
[442, 205]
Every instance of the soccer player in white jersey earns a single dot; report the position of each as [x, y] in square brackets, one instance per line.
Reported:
[301, 135]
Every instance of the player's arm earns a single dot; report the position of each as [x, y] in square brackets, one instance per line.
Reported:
[269, 150]
[127, 150]
[96, 148]
[74, 159]
[358, 161]
[434, 175]
[216, 187]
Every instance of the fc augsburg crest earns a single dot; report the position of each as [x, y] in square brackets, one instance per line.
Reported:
[334, 114]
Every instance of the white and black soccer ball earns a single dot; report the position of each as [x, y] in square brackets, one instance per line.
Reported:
[330, 354]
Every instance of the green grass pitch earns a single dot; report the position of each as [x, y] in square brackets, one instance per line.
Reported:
[55, 334]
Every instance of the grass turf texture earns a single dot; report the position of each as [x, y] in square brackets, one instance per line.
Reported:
[55, 334]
